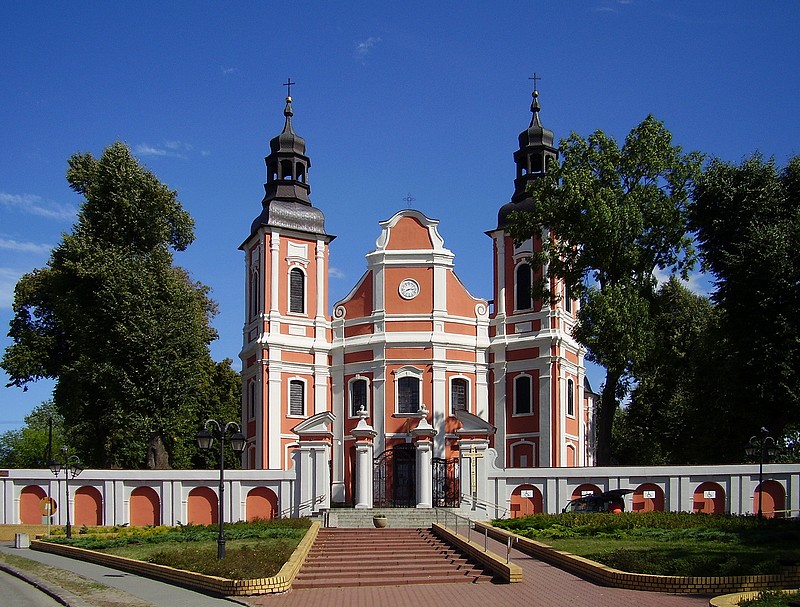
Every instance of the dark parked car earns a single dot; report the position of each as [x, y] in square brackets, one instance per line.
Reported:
[610, 501]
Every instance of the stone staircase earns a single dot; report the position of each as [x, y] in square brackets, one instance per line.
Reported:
[383, 557]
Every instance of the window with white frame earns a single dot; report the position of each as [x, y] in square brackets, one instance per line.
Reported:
[570, 398]
[358, 396]
[297, 291]
[408, 388]
[524, 284]
[523, 395]
[567, 299]
[255, 300]
[459, 394]
[251, 399]
[297, 397]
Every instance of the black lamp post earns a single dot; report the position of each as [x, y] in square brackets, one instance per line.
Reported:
[71, 466]
[205, 440]
[761, 445]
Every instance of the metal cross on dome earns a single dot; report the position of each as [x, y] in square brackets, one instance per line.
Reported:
[535, 77]
[288, 84]
[409, 198]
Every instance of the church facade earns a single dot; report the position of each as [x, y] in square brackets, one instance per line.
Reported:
[390, 388]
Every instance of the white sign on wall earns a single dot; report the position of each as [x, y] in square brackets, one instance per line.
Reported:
[526, 493]
[585, 493]
[709, 495]
[649, 495]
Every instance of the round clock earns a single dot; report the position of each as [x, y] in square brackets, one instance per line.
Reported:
[408, 289]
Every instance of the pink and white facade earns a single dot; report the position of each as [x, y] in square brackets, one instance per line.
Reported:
[408, 343]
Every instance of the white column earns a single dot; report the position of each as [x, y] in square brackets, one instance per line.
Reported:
[423, 436]
[364, 455]
[364, 434]
[274, 254]
[424, 477]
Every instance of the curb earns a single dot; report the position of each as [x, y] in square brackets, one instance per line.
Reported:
[36, 582]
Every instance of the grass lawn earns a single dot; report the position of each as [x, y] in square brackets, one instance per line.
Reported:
[669, 543]
[253, 550]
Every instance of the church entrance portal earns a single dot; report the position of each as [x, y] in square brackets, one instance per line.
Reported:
[394, 477]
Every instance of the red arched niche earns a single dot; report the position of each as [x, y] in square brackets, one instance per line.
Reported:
[30, 499]
[773, 499]
[525, 500]
[262, 503]
[202, 506]
[709, 498]
[88, 506]
[648, 497]
[585, 489]
[145, 507]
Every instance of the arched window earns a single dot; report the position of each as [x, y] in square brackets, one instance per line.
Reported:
[254, 293]
[570, 398]
[297, 291]
[297, 397]
[523, 396]
[524, 284]
[286, 169]
[251, 398]
[459, 394]
[358, 396]
[567, 298]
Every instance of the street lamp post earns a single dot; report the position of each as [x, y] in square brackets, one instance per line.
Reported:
[205, 440]
[761, 445]
[71, 465]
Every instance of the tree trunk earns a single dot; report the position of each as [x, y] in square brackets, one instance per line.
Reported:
[605, 418]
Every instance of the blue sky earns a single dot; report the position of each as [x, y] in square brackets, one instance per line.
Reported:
[393, 99]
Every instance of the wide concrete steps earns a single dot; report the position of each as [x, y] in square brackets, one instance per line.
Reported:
[383, 557]
[411, 518]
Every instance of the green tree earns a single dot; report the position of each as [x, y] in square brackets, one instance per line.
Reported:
[123, 332]
[673, 408]
[616, 215]
[28, 447]
[747, 221]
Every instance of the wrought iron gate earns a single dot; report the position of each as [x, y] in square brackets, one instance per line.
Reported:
[446, 482]
[394, 477]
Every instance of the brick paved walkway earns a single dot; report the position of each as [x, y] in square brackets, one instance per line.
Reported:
[542, 586]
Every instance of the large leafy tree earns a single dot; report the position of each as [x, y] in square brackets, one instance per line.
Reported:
[614, 216]
[123, 331]
[747, 221]
[674, 407]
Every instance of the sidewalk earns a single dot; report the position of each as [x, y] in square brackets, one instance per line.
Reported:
[151, 592]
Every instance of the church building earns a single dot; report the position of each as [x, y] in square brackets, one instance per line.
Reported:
[399, 377]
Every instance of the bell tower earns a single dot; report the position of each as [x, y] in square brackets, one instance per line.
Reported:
[536, 367]
[286, 338]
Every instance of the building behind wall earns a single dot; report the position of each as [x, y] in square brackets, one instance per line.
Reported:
[409, 341]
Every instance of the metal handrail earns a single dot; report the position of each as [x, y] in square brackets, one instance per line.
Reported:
[470, 526]
[287, 512]
[487, 504]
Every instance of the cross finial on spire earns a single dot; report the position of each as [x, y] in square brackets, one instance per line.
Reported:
[535, 77]
[288, 84]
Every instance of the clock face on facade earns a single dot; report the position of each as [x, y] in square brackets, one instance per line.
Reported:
[408, 289]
